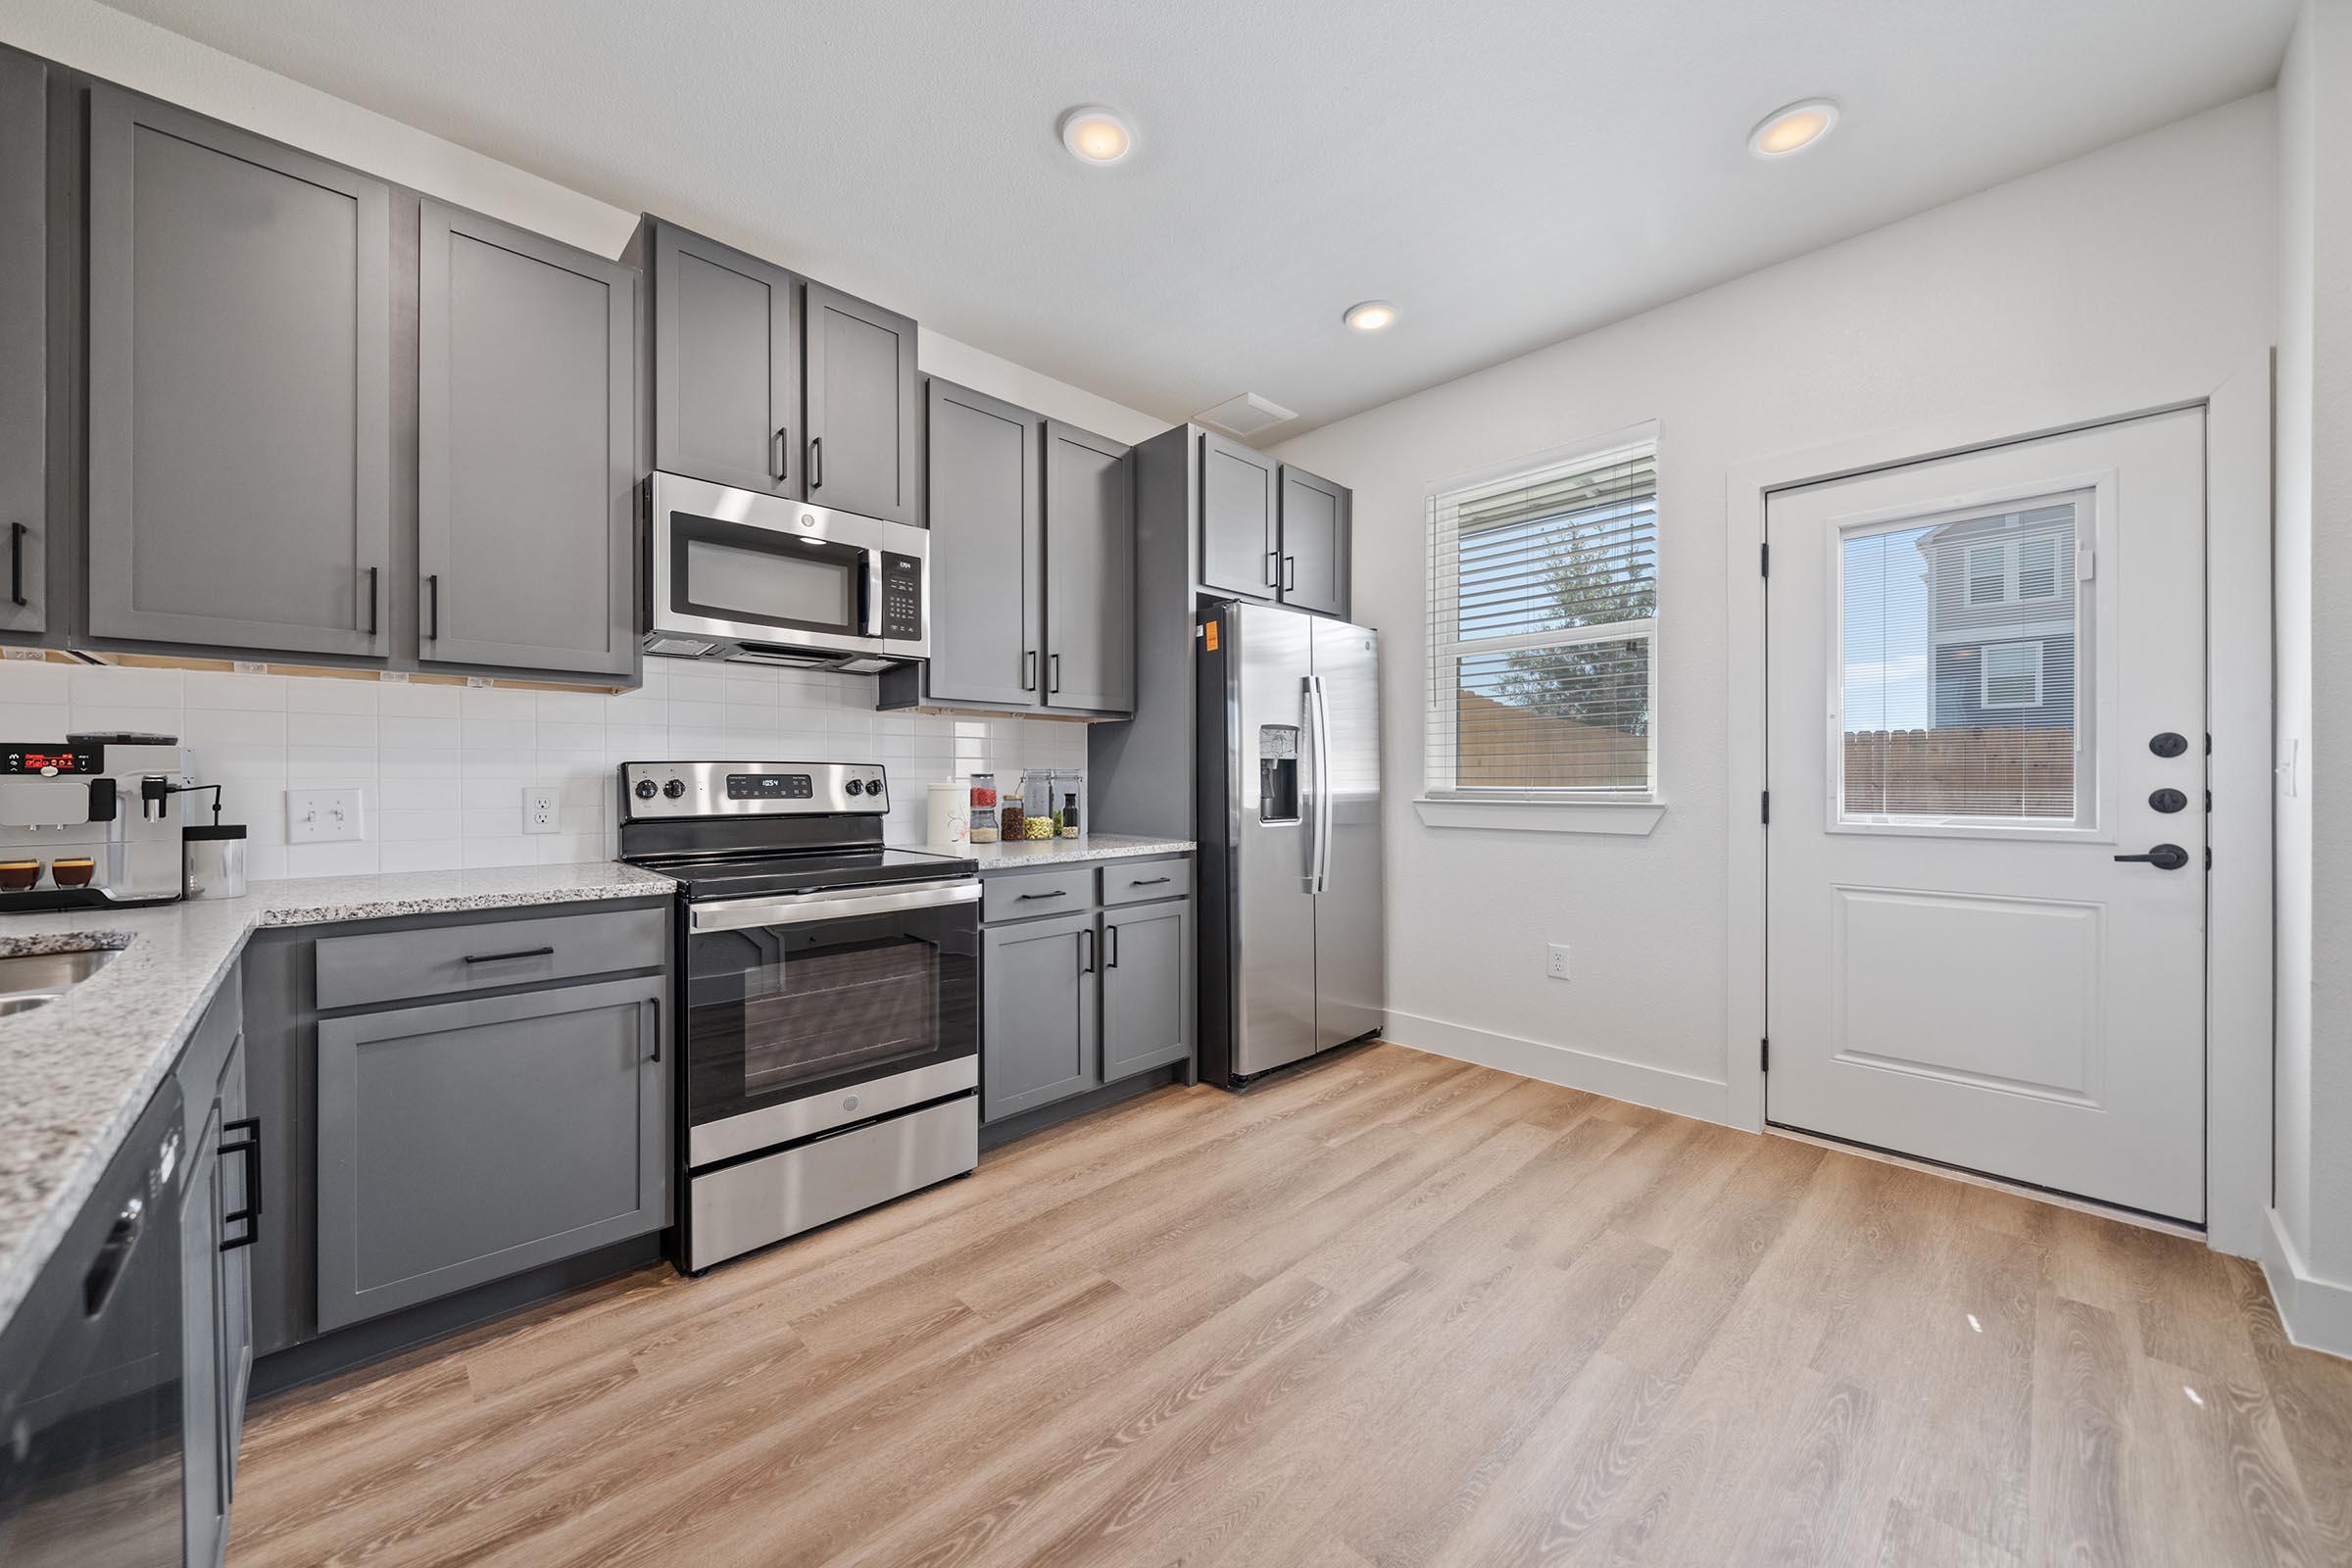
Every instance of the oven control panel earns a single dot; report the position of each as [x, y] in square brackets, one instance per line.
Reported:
[656, 791]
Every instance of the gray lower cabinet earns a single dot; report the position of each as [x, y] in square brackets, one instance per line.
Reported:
[240, 445]
[1240, 529]
[861, 400]
[23, 341]
[727, 362]
[1040, 1027]
[526, 459]
[1147, 1002]
[1315, 542]
[554, 1100]
[216, 1219]
[988, 563]
[1090, 571]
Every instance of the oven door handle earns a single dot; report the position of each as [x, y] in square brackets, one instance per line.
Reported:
[800, 909]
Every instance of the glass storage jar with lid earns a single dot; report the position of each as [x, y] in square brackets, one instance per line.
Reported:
[984, 808]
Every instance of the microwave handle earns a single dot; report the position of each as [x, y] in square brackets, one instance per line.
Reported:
[870, 594]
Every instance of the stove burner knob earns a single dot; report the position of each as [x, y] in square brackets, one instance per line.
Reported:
[856, 786]
[674, 788]
[645, 789]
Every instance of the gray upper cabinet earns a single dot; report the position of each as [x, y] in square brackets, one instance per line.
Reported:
[1240, 552]
[23, 341]
[987, 549]
[1315, 542]
[1039, 1028]
[1147, 1004]
[527, 462]
[1090, 571]
[556, 1100]
[240, 450]
[726, 365]
[861, 403]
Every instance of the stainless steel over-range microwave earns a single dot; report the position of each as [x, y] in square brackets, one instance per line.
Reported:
[762, 580]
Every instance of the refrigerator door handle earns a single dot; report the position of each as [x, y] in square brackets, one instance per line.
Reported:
[1321, 874]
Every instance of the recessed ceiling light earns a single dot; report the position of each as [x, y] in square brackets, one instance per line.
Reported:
[1370, 316]
[1096, 136]
[1793, 128]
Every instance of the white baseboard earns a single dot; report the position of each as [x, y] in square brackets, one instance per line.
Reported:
[2315, 1312]
[1618, 1079]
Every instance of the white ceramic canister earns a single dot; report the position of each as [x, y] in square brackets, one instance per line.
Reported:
[951, 813]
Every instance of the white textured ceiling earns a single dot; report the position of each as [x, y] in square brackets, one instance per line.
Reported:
[1510, 173]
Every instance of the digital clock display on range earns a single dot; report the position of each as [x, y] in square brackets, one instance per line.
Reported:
[770, 787]
[49, 760]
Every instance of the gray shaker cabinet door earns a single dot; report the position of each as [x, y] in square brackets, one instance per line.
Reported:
[1315, 542]
[726, 365]
[1090, 571]
[861, 407]
[204, 1476]
[1239, 553]
[987, 558]
[553, 1101]
[525, 520]
[1039, 1039]
[240, 388]
[1147, 1003]
[24, 342]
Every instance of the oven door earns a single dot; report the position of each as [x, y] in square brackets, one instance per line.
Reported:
[815, 1011]
[729, 563]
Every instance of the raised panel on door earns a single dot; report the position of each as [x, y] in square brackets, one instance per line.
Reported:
[1147, 1004]
[554, 1100]
[726, 365]
[1039, 1040]
[861, 407]
[234, 1262]
[1090, 571]
[203, 1477]
[986, 548]
[240, 385]
[527, 467]
[1239, 550]
[1315, 542]
[24, 342]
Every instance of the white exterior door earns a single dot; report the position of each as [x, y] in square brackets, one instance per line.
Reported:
[1987, 683]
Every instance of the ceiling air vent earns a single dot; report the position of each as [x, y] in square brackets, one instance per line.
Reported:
[1244, 415]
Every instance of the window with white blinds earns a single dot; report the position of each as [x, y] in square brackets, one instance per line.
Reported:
[1543, 612]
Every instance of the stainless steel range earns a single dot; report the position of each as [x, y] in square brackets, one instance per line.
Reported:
[828, 996]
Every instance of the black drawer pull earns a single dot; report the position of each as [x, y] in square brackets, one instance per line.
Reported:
[1147, 881]
[250, 1146]
[1062, 892]
[16, 564]
[519, 953]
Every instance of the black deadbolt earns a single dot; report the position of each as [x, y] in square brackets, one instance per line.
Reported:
[2168, 801]
[2168, 743]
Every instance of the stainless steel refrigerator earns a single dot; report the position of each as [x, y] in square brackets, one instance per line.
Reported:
[1292, 955]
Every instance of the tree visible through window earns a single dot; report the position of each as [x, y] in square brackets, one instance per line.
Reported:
[1544, 608]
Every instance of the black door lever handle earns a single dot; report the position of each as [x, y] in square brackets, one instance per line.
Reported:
[2164, 858]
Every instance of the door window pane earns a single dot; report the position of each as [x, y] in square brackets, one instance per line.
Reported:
[1958, 692]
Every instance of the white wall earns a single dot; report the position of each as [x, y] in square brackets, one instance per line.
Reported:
[2311, 1259]
[2112, 281]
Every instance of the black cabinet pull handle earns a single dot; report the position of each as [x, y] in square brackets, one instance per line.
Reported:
[783, 452]
[16, 564]
[655, 1003]
[1086, 964]
[1289, 572]
[2164, 858]
[1110, 938]
[1026, 897]
[816, 462]
[501, 957]
[432, 627]
[1147, 881]
[248, 1146]
[1029, 669]
[1273, 569]
[1053, 681]
[373, 572]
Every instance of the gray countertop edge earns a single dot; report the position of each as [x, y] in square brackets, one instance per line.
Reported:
[1029, 852]
[76, 1074]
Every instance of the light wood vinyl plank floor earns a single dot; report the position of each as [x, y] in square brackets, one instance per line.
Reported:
[1390, 1310]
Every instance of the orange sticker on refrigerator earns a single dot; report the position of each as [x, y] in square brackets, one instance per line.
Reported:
[1208, 629]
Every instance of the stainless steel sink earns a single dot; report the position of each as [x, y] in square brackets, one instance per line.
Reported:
[29, 980]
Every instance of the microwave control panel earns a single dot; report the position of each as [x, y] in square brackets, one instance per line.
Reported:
[901, 597]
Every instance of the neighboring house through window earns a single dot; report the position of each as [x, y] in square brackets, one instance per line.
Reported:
[2002, 618]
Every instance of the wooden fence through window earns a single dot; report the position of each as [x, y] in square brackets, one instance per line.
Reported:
[2005, 771]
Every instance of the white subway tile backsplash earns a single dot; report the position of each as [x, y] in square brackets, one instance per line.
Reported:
[23, 680]
[408, 700]
[322, 696]
[207, 688]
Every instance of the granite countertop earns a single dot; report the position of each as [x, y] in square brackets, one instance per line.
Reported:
[76, 1074]
[1002, 856]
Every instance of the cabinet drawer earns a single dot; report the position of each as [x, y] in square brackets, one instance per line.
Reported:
[407, 965]
[1140, 881]
[1064, 891]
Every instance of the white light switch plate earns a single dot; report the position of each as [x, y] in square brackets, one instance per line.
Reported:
[324, 816]
[539, 809]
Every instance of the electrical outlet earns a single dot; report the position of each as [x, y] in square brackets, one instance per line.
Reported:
[1557, 965]
[539, 810]
[324, 816]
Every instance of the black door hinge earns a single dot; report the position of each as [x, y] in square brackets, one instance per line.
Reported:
[1764, 560]
[1764, 1055]
[1767, 809]
[2208, 856]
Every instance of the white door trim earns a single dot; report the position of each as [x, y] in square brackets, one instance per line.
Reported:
[2241, 935]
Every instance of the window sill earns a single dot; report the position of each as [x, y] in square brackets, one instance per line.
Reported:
[1627, 816]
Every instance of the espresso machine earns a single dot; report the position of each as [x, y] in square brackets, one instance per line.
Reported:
[91, 821]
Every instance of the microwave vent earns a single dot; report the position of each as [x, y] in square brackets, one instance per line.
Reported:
[679, 647]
